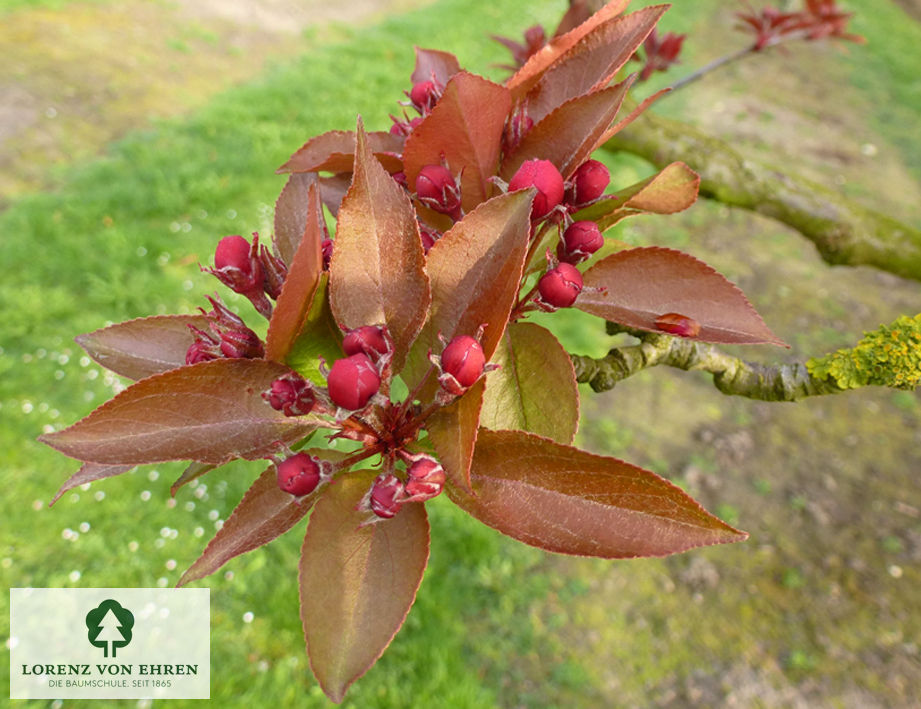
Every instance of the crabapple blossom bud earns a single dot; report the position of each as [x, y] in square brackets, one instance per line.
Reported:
[425, 479]
[241, 342]
[404, 128]
[237, 266]
[429, 236]
[580, 240]
[203, 349]
[400, 178]
[677, 324]
[424, 96]
[291, 394]
[299, 475]
[387, 495]
[560, 286]
[464, 360]
[369, 339]
[543, 175]
[437, 189]
[590, 181]
[275, 272]
[327, 248]
[353, 381]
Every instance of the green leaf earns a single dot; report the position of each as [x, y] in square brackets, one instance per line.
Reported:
[534, 388]
[591, 63]
[335, 152]
[475, 268]
[320, 337]
[565, 500]
[377, 274]
[292, 309]
[640, 285]
[265, 513]
[210, 412]
[465, 129]
[569, 135]
[453, 430]
[140, 348]
[357, 583]
[673, 189]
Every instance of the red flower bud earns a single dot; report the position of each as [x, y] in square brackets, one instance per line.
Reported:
[677, 324]
[291, 394]
[353, 381]
[560, 286]
[237, 266]
[429, 236]
[436, 188]
[543, 175]
[463, 359]
[579, 241]
[369, 340]
[327, 247]
[241, 342]
[387, 495]
[425, 479]
[275, 272]
[203, 349]
[299, 475]
[590, 181]
[424, 96]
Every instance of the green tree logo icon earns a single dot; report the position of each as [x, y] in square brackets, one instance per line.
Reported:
[109, 626]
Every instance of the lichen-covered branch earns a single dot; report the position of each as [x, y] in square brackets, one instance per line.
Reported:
[844, 233]
[889, 356]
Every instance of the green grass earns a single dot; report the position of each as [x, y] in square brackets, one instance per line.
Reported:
[7, 6]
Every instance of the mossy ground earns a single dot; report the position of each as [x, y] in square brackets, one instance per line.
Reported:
[819, 608]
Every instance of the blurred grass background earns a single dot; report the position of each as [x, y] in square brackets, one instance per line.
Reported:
[819, 608]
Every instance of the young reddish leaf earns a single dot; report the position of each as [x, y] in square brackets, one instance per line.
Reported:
[642, 284]
[210, 412]
[592, 62]
[434, 65]
[293, 208]
[89, 472]
[475, 268]
[538, 63]
[333, 189]
[377, 274]
[139, 348]
[534, 388]
[293, 305]
[672, 190]
[453, 430]
[335, 152]
[357, 583]
[192, 472]
[264, 513]
[565, 500]
[569, 135]
[320, 337]
[465, 129]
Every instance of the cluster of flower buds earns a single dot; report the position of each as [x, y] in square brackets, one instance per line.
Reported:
[250, 270]
[819, 19]
[300, 474]
[661, 52]
[437, 189]
[229, 337]
[461, 364]
[425, 479]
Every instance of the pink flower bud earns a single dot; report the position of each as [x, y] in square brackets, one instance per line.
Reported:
[203, 349]
[425, 479]
[424, 96]
[299, 475]
[275, 272]
[369, 340]
[580, 240]
[291, 394]
[353, 381]
[387, 495]
[560, 286]
[543, 175]
[327, 247]
[590, 181]
[240, 343]
[237, 266]
[436, 188]
[463, 360]
[677, 324]
[429, 236]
